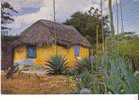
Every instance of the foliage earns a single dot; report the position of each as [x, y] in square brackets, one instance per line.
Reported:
[71, 72]
[13, 69]
[111, 73]
[125, 45]
[120, 62]
[85, 80]
[90, 77]
[83, 65]
[86, 24]
[119, 75]
[130, 50]
[128, 33]
[57, 65]
[6, 16]
[7, 40]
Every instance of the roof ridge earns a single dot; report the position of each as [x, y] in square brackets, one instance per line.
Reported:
[46, 27]
[45, 20]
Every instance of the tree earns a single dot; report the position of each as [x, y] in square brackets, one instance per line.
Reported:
[86, 23]
[128, 33]
[6, 17]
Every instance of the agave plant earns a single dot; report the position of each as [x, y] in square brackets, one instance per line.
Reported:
[113, 75]
[119, 76]
[57, 65]
[71, 72]
[85, 80]
[83, 65]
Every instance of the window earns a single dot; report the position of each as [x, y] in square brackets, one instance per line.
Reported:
[76, 51]
[31, 53]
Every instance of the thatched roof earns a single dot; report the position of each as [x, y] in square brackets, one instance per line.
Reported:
[43, 31]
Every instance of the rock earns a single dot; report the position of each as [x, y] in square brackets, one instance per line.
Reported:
[136, 73]
[85, 91]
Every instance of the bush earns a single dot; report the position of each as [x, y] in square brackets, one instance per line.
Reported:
[119, 75]
[127, 47]
[85, 80]
[57, 65]
[83, 65]
[13, 69]
[88, 76]
[130, 49]
[114, 74]
[71, 72]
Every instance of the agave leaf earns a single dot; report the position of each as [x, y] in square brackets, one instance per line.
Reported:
[56, 65]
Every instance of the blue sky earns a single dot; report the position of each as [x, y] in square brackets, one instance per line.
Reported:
[32, 10]
[131, 15]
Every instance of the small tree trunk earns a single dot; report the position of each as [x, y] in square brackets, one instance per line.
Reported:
[111, 17]
[97, 38]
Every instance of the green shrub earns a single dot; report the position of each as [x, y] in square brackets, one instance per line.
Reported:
[127, 47]
[85, 80]
[119, 75]
[83, 65]
[57, 65]
[89, 76]
[71, 72]
[114, 74]
[130, 49]
[113, 71]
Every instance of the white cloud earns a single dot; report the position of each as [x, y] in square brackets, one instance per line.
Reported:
[64, 9]
[19, 4]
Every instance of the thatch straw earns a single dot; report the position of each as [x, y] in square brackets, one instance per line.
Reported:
[42, 32]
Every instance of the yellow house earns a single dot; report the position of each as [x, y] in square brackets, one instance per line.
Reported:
[37, 43]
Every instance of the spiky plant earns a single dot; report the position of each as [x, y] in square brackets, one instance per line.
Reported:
[71, 72]
[85, 80]
[83, 65]
[13, 69]
[113, 75]
[57, 65]
[119, 75]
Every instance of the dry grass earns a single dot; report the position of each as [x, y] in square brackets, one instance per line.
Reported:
[33, 84]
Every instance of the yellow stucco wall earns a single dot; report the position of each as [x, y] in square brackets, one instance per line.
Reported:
[84, 53]
[20, 54]
[46, 52]
[43, 54]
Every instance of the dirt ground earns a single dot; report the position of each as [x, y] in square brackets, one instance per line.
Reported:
[33, 84]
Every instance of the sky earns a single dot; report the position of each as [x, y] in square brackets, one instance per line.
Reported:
[29, 11]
